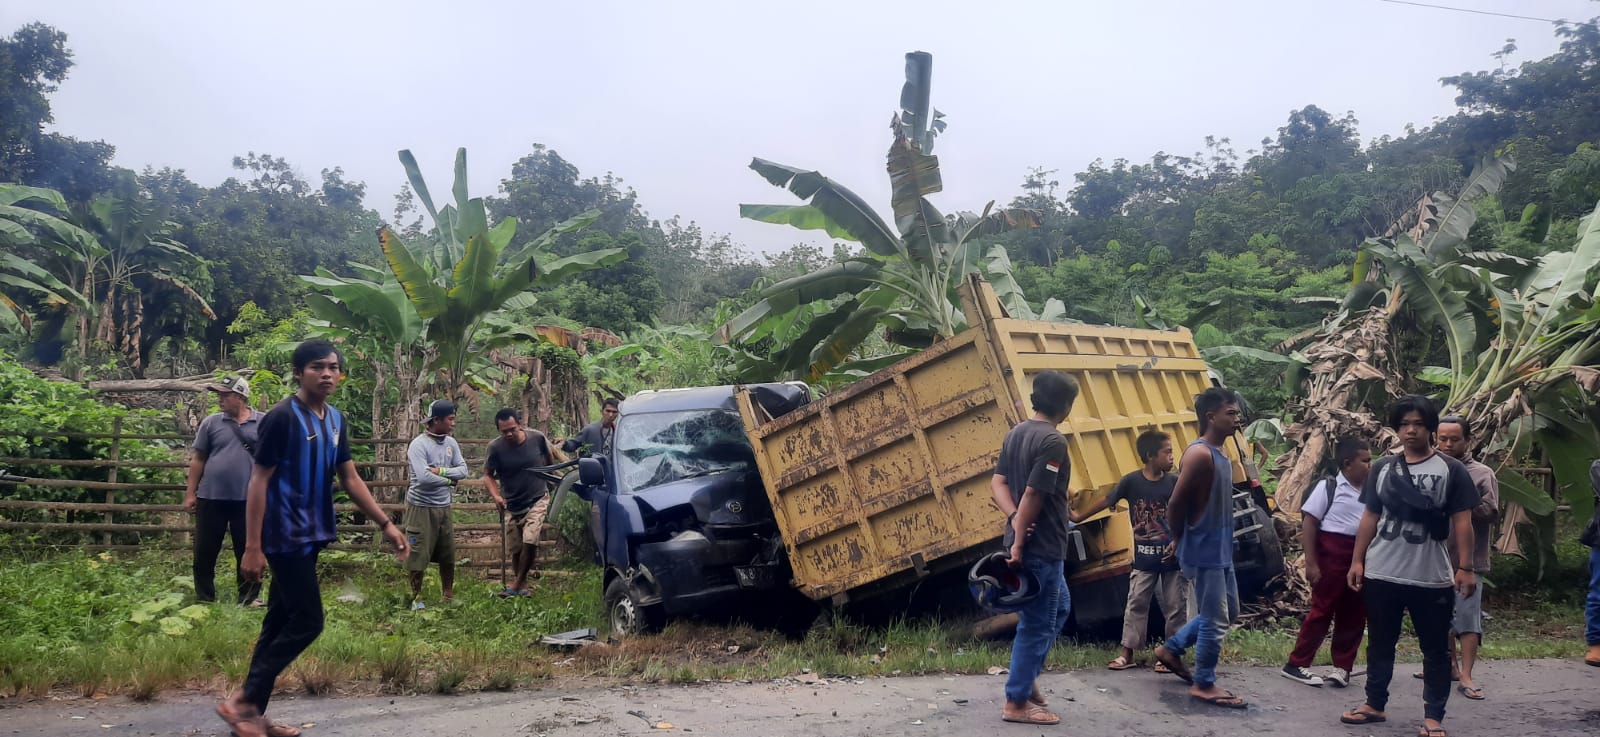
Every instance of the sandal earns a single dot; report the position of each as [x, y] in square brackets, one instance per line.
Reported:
[1362, 715]
[1161, 668]
[1035, 715]
[1472, 692]
[1120, 663]
[275, 729]
[1454, 676]
[1174, 664]
[243, 722]
[1431, 732]
[1226, 700]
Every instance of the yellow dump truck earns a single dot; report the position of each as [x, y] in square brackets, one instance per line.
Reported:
[722, 498]
[887, 480]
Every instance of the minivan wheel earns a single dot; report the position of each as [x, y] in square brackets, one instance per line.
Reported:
[626, 615]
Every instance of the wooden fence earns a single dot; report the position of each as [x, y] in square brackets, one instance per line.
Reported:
[478, 542]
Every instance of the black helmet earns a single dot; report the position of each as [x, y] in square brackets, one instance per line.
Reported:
[998, 588]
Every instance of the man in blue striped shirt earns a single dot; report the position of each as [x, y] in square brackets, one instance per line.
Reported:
[304, 442]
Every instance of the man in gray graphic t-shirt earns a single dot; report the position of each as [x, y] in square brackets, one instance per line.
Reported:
[1415, 501]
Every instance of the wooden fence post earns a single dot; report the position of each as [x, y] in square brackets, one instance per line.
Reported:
[111, 475]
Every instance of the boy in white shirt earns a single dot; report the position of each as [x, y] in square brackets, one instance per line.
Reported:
[1329, 520]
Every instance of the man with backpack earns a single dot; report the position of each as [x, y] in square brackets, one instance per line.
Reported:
[1329, 520]
[1415, 501]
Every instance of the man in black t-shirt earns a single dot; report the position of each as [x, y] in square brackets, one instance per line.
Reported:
[1155, 568]
[517, 490]
[1030, 487]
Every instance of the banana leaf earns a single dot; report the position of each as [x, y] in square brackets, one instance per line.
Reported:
[845, 208]
[825, 283]
[1516, 488]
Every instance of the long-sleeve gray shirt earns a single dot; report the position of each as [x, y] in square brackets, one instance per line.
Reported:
[429, 489]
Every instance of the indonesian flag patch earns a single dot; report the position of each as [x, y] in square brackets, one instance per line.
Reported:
[1052, 466]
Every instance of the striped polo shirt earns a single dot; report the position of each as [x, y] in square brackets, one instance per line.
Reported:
[303, 451]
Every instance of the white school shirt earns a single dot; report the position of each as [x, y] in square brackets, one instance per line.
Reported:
[1343, 516]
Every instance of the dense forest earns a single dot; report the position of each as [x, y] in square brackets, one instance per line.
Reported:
[1248, 249]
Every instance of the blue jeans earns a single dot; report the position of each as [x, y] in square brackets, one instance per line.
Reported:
[1216, 595]
[1593, 608]
[1037, 627]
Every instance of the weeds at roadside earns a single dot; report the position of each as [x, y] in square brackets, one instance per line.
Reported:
[72, 628]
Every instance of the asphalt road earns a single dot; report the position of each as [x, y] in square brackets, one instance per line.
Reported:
[1537, 697]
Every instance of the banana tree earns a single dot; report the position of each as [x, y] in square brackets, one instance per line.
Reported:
[1531, 380]
[371, 315]
[906, 278]
[33, 217]
[1418, 267]
[468, 271]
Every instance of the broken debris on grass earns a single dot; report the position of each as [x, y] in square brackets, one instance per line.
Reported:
[570, 640]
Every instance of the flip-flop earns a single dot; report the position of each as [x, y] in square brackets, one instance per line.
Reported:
[1472, 692]
[1453, 676]
[245, 722]
[1431, 732]
[1362, 717]
[275, 729]
[1120, 663]
[1161, 668]
[1226, 700]
[1174, 664]
[1035, 715]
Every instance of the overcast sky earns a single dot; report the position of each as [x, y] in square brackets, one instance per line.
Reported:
[676, 97]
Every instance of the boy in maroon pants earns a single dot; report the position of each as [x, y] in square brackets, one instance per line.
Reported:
[1329, 519]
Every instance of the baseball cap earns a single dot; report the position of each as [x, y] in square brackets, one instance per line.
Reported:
[440, 409]
[232, 383]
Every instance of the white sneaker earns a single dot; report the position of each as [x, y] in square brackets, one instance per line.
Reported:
[1337, 678]
[1301, 675]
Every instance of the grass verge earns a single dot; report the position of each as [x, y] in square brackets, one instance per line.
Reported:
[103, 624]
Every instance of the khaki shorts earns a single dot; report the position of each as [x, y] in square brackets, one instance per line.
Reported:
[525, 527]
[432, 536]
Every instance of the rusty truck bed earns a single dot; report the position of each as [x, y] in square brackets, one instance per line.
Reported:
[888, 479]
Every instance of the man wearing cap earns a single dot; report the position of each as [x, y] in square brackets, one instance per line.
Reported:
[436, 465]
[219, 473]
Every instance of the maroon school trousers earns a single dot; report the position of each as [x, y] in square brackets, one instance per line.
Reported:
[1332, 601]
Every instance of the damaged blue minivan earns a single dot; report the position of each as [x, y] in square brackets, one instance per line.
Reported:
[680, 519]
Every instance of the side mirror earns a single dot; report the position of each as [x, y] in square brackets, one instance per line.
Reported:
[591, 472]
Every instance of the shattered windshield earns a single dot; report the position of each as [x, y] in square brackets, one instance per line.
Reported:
[660, 448]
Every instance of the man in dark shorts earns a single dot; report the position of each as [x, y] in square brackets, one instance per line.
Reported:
[289, 520]
[437, 465]
[1416, 500]
[1155, 564]
[219, 472]
[595, 438]
[1200, 516]
[1030, 487]
[518, 491]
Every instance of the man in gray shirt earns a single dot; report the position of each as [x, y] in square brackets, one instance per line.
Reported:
[436, 465]
[1455, 437]
[219, 471]
[1414, 502]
